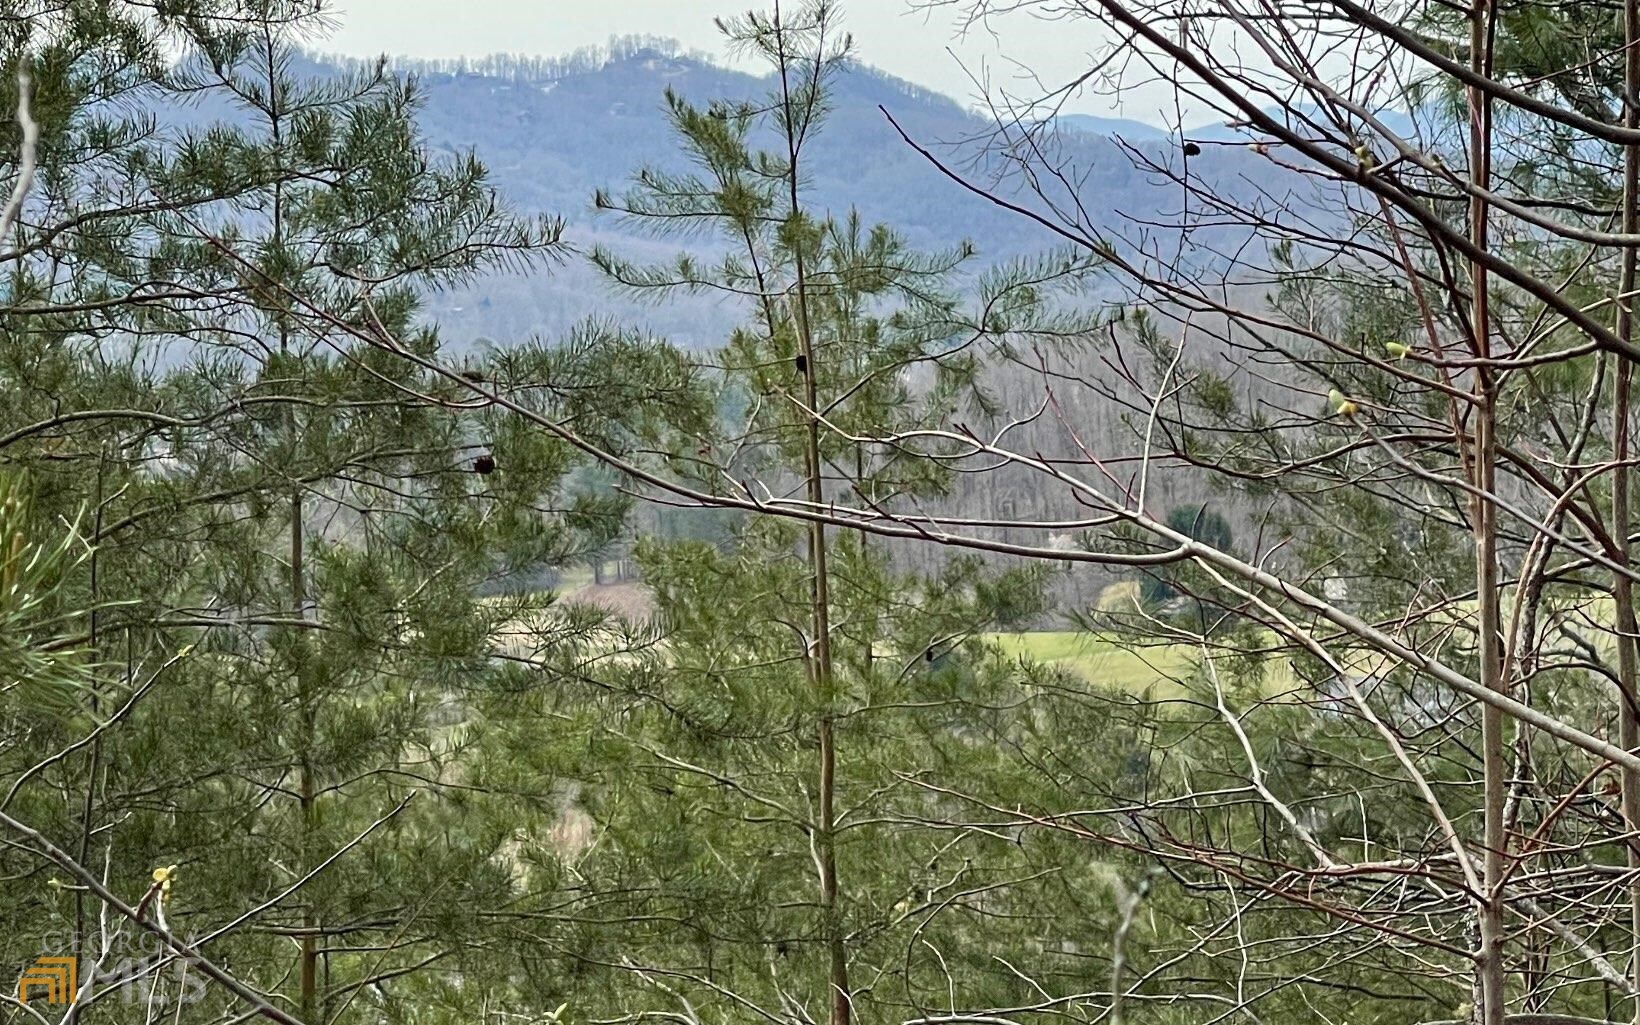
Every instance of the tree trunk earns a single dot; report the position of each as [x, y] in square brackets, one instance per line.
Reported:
[1491, 979]
[820, 658]
[1622, 586]
[821, 669]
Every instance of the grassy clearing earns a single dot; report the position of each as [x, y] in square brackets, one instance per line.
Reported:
[1119, 665]
[1099, 660]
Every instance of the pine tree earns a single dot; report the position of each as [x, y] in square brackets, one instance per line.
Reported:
[759, 762]
[293, 525]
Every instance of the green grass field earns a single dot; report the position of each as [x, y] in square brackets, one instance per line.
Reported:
[1103, 661]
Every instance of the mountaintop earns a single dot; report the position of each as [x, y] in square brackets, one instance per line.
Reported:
[552, 131]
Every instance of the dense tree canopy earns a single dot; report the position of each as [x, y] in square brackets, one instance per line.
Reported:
[309, 712]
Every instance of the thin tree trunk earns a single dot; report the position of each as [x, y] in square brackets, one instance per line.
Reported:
[825, 827]
[1493, 742]
[820, 660]
[309, 969]
[1491, 979]
[94, 766]
[1622, 586]
[307, 784]
[822, 671]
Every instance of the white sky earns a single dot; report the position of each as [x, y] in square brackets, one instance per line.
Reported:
[922, 46]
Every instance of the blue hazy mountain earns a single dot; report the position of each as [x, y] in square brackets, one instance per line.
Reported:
[1112, 127]
[553, 131]
[1129, 130]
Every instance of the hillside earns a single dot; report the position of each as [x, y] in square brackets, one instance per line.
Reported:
[552, 132]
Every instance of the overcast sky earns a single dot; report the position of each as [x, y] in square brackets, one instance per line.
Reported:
[925, 47]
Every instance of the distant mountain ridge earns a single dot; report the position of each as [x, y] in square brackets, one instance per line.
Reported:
[1129, 130]
[552, 130]
[1113, 127]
